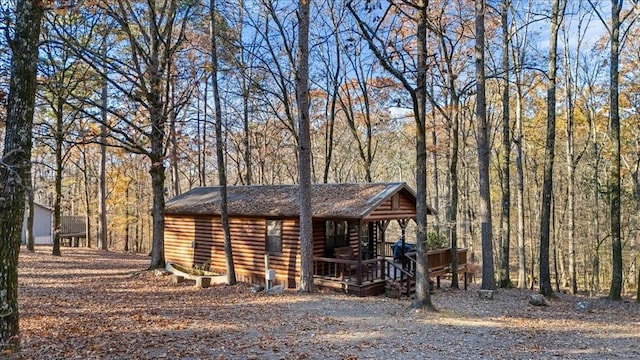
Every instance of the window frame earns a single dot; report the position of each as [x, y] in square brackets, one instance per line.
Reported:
[272, 240]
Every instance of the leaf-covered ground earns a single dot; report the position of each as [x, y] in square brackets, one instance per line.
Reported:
[90, 304]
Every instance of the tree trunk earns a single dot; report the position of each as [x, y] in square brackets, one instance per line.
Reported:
[16, 162]
[175, 171]
[522, 258]
[505, 236]
[102, 180]
[157, 185]
[304, 150]
[571, 167]
[126, 217]
[422, 297]
[614, 173]
[222, 173]
[519, 59]
[87, 198]
[482, 136]
[30, 204]
[453, 206]
[547, 187]
[157, 172]
[59, 138]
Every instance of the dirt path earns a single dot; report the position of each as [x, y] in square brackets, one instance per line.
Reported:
[97, 305]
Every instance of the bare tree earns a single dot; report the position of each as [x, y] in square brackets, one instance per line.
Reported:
[557, 14]
[573, 158]
[614, 171]
[505, 215]
[414, 82]
[222, 174]
[151, 34]
[614, 29]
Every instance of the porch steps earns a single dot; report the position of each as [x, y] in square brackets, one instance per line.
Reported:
[367, 288]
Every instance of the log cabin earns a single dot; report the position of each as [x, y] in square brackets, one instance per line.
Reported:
[349, 223]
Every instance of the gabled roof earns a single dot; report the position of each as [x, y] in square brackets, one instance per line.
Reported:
[347, 201]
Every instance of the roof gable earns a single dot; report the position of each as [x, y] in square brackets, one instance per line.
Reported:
[348, 201]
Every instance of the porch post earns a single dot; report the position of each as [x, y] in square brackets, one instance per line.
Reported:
[382, 226]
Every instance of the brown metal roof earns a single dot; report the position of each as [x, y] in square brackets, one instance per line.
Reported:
[348, 201]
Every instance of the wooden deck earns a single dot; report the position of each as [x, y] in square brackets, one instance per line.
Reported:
[369, 277]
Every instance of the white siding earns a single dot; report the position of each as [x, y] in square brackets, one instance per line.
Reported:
[41, 226]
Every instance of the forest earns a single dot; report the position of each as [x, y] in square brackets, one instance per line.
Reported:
[526, 126]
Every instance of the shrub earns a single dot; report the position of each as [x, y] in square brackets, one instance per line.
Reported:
[436, 241]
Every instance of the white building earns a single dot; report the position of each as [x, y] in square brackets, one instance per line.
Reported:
[42, 229]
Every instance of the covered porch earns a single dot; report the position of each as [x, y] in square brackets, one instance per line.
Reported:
[370, 277]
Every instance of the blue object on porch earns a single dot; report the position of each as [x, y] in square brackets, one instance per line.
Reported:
[398, 251]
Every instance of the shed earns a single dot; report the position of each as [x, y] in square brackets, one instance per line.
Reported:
[264, 220]
[42, 216]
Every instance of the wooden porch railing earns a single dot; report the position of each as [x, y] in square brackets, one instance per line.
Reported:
[72, 226]
[347, 270]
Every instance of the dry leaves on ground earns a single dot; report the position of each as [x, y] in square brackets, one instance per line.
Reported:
[90, 304]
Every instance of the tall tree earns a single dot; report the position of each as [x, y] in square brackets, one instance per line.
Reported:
[304, 150]
[222, 174]
[413, 80]
[152, 33]
[102, 176]
[614, 28]
[557, 14]
[614, 135]
[15, 162]
[505, 215]
[520, 39]
[64, 79]
[482, 138]
[571, 91]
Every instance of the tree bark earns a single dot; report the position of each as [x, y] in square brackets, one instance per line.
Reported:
[519, 59]
[30, 204]
[15, 162]
[222, 173]
[614, 171]
[102, 180]
[482, 136]
[422, 297]
[505, 220]
[304, 150]
[547, 187]
[59, 138]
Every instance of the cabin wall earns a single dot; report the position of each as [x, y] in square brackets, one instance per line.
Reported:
[319, 230]
[405, 209]
[248, 238]
[179, 235]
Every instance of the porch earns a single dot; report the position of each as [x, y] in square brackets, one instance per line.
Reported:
[370, 277]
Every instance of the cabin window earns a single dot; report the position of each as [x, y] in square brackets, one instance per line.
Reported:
[337, 235]
[274, 237]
